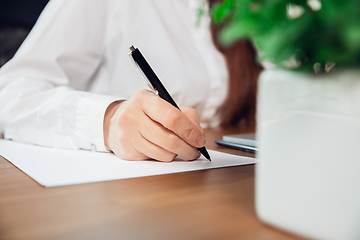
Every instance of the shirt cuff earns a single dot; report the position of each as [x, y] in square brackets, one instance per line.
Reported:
[90, 119]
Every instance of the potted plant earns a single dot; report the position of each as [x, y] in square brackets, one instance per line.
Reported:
[308, 111]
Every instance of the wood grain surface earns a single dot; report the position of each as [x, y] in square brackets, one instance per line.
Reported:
[206, 204]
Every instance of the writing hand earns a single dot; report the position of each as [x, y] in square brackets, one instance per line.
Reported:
[147, 127]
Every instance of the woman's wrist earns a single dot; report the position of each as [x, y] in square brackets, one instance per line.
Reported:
[109, 113]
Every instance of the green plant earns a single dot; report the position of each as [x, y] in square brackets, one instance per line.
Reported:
[319, 35]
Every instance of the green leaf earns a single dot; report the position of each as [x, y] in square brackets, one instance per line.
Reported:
[220, 12]
[331, 33]
[235, 31]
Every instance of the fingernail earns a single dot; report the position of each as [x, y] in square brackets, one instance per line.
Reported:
[201, 141]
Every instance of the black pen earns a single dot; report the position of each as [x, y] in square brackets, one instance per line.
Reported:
[155, 84]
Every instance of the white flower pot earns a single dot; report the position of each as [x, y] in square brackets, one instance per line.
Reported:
[308, 170]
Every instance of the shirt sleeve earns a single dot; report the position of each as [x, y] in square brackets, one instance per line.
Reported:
[38, 103]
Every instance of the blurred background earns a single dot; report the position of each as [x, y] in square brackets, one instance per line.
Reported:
[17, 17]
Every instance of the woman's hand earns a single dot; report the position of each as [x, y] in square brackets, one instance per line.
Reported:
[148, 127]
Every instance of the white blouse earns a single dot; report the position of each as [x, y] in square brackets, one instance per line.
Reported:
[75, 62]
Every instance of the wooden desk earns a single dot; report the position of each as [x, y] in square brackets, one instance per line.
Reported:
[207, 204]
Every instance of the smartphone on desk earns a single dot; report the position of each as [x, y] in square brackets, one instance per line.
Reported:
[244, 142]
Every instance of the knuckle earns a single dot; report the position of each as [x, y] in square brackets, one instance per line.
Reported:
[173, 116]
[140, 93]
[172, 141]
[124, 119]
[192, 111]
[128, 117]
[138, 97]
[141, 99]
[191, 133]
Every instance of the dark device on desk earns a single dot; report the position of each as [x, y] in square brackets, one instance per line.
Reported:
[244, 142]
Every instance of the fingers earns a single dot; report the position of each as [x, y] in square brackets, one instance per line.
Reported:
[146, 126]
[160, 136]
[127, 142]
[142, 149]
[173, 119]
[154, 151]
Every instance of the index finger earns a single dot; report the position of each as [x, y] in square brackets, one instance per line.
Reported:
[173, 119]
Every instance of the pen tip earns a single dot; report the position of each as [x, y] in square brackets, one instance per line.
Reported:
[210, 159]
[132, 48]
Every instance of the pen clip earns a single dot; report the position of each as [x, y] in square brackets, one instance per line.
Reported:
[147, 80]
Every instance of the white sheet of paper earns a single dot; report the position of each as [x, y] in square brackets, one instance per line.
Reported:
[56, 167]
